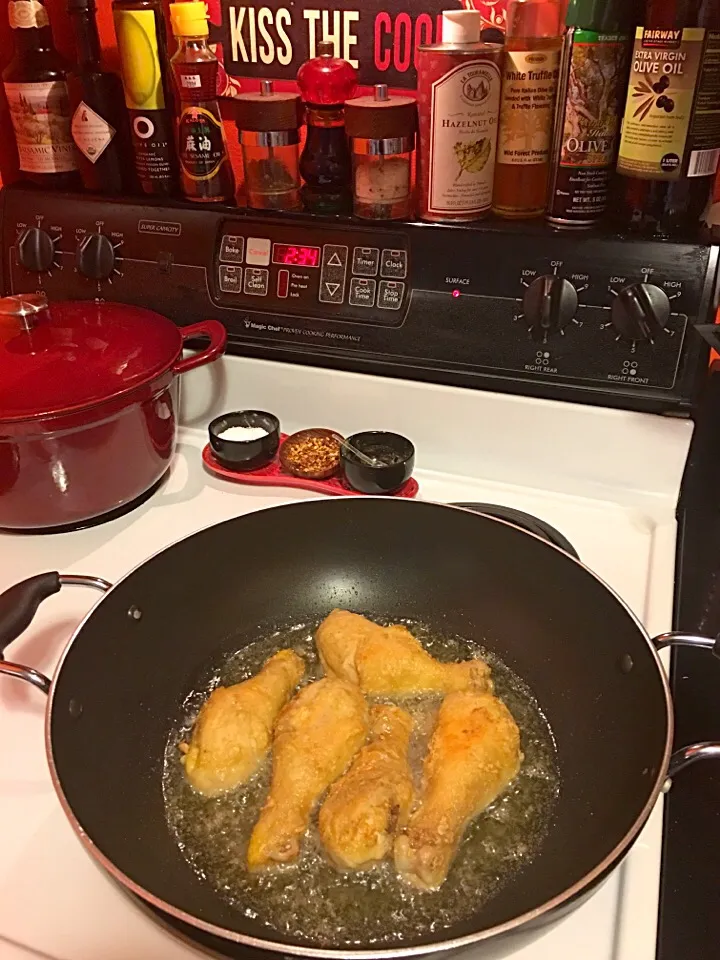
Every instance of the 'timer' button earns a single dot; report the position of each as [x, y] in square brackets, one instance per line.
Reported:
[390, 295]
[394, 264]
[232, 249]
[230, 279]
[366, 261]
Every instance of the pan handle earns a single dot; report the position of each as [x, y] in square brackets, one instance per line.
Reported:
[687, 640]
[18, 606]
[709, 750]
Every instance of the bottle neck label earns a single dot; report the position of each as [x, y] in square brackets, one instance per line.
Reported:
[24, 14]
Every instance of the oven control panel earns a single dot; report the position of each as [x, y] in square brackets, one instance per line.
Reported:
[293, 270]
[507, 306]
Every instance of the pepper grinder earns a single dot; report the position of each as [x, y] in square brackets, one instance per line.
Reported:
[268, 130]
[382, 137]
[326, 82]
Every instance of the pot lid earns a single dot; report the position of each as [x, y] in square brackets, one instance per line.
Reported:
[66, 356]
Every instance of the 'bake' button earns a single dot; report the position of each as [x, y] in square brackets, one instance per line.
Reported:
[230, 279]
[390, 295]
[258, 251]
[362, 292]
[366, 261]
[256, 282]
[394, 264]
[232, 249]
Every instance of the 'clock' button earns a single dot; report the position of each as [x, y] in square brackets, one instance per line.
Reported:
[394, 264]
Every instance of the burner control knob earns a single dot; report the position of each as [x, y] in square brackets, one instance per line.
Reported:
[640, 312]
[95, 256]
[549, 305]
[36, 250]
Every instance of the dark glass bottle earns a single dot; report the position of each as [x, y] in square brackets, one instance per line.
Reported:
[670, 143]
[140, 30]
[36, 91]
[100, 127]
[326, 82]
[206, 174]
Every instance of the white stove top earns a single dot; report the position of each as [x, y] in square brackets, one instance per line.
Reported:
[608, 480]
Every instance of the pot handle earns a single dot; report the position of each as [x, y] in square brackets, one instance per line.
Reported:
[215, 333]
[709, 750]
[18, 606]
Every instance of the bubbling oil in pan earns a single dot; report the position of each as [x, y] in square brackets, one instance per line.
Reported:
[310, 901]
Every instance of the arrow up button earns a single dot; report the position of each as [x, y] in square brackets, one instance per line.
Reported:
[332, 274]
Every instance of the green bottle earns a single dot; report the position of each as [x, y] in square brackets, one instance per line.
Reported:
[593, 81]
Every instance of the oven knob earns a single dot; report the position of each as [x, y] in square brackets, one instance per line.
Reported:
[95, 256]
[549, 305]
[36, 250]
[640, 312]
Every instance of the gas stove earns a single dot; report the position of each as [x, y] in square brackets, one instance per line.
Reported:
[614, 499]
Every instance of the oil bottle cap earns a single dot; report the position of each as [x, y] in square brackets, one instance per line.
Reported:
[461, 26]
[189, 19]
[535, 18]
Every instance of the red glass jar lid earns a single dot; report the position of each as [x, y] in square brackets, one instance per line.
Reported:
[69, 356]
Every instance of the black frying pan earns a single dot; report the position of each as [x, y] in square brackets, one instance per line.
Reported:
[126, 671]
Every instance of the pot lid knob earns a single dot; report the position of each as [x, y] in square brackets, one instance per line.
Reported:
[23, 308]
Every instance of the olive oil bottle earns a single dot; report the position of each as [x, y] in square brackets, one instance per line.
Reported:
[670, 144]
[140, 31]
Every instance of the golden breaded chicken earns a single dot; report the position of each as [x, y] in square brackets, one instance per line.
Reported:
[389, 661]
[233, 730]
[473, 755]
[365, 808]
[316, 737]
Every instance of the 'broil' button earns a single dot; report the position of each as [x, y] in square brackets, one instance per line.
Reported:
[394, 264]
[230, 279]
[390, 295]
[256, 282]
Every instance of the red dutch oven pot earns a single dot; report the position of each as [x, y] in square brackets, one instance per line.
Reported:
[88, 406]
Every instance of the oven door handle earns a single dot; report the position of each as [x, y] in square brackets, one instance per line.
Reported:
[18, 606]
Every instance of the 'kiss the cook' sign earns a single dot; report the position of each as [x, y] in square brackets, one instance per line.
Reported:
[271, 38]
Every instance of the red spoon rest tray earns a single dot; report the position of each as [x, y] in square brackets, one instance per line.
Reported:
[273, 475]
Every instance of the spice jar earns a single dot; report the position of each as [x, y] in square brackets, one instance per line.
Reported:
[268, 130]
[382, 136]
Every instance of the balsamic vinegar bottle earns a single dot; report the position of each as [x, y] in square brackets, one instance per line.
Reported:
[37, 97]
[99, 125]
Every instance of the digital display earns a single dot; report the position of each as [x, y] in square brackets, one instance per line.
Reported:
[298, 256]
